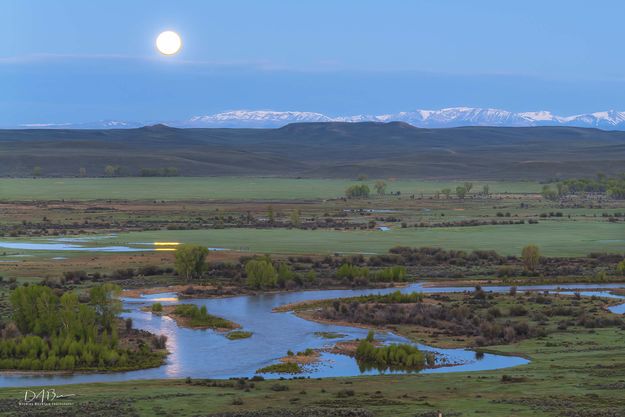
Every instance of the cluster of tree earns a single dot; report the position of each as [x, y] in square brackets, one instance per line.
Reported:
[393, 357]
[113, 171]
[38, 310]
[117, 171]
[159, 172]
[358, 191]
[190, 260]
[380, 187]
[63, 333]
[395, 273]
[261, 273]
[612, 186]
[462, 190]
[350, 272]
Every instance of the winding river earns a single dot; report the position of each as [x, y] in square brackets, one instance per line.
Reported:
[207, 354]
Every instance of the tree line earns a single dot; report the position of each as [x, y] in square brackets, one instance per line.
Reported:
[49, 332]
[613, 187]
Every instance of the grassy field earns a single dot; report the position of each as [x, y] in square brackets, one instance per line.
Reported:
[219, 188]
[558, 238]
[570, 375]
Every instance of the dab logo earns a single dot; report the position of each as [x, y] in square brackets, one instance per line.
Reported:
[45, 397]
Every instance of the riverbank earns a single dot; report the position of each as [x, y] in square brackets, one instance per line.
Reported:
[573, 372]
[195, 291]
[570, 375]
[447, 320]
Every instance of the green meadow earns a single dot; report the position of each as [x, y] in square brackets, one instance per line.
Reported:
[220, 188]
[556, 238]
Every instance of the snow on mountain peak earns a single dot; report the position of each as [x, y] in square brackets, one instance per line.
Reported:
[256, 118]
[446, 117]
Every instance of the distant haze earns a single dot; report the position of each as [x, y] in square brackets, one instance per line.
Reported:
[448, 117]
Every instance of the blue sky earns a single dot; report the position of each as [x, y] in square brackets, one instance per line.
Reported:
[75, 61]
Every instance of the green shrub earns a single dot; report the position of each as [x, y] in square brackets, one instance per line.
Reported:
[239, 334]
[281, 368]
[396, 356]
[199, 317]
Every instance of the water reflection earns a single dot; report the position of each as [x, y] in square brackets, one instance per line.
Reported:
[208, 354]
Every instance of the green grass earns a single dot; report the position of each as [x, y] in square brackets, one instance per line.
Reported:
[219, 188]
[564, 238]
[555, 238]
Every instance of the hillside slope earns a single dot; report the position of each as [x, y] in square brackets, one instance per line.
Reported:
[332, 149]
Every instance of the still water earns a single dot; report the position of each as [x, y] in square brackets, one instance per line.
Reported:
[207, 354]
[87, 244]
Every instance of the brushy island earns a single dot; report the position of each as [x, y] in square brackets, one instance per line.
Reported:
[199, 317]
[190, 315]
[394, 357]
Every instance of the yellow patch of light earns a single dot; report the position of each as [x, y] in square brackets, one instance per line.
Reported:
[166, 243]
[164, 299]
[165, 249]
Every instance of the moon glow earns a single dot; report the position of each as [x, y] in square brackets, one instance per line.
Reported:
[168, 42]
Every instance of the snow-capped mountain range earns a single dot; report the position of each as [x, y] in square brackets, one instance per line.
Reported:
[448, 117]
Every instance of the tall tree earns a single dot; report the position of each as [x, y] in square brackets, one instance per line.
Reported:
[271, 215]
[531, 257]
[295, 218]
[107, 306]
[261, 273]
[190, 260]
[26, 306]
[380, 187]
[548, 193]
[358, 191]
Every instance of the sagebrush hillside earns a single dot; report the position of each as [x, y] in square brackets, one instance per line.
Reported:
[339, 150]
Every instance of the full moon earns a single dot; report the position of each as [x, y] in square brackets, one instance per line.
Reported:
[168, 42]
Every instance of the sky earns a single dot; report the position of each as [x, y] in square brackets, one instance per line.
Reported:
[80, 61]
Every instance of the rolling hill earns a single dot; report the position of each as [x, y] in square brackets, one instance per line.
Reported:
[328, 149]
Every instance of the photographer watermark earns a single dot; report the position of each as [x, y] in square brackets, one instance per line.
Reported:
[45, 397]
